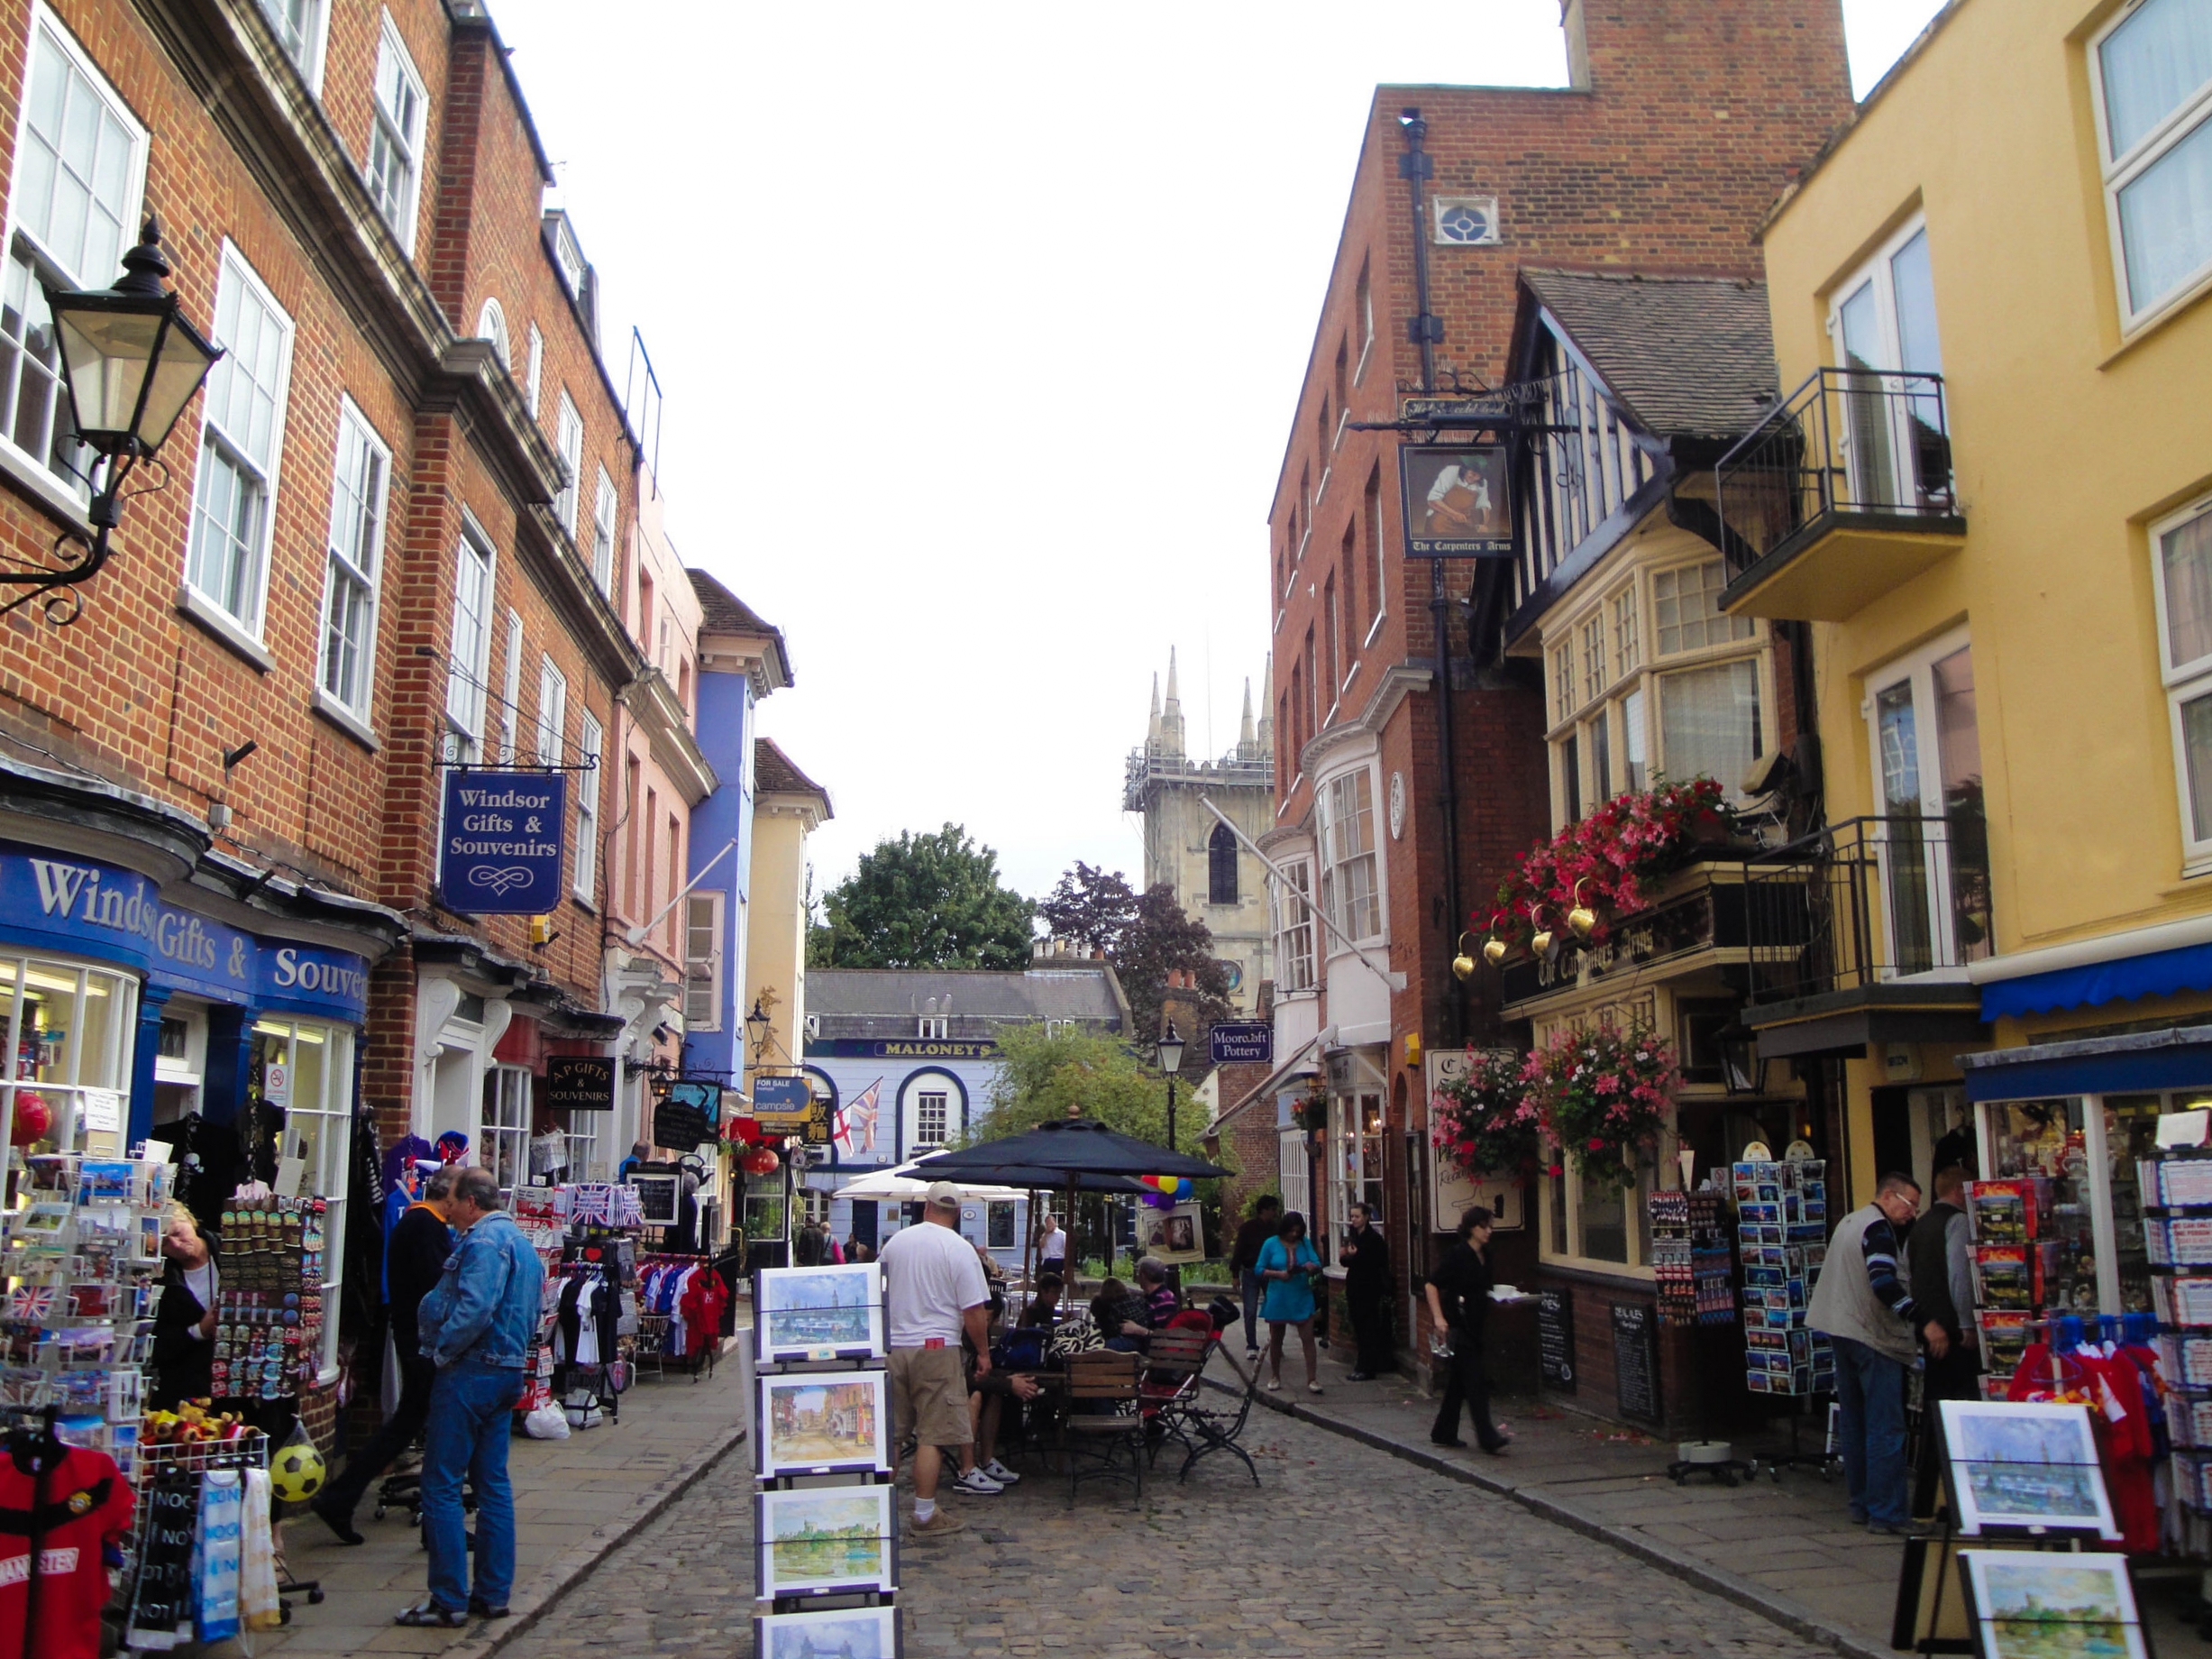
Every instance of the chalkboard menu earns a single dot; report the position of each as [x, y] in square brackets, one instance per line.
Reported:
[1555, 1338]
[1635, 1361]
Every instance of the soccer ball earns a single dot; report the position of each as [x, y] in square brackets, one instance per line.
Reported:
[296, 1474]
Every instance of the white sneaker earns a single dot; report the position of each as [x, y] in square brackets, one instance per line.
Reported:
[1001, 1473]
[975, 1480]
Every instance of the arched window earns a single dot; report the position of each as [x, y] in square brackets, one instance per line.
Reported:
[1221, 866]
[491, 324]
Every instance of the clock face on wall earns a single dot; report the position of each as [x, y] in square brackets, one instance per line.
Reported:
[1397, 805]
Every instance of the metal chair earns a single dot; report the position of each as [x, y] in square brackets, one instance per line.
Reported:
[1218, 1431]
[1172, 1362]
[1103, 1411]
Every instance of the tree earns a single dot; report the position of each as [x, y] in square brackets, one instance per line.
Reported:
[1039, 1076]
[1163, 939]
[924, 901]
[1091, 906]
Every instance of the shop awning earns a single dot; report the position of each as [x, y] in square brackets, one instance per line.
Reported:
[2157, 973]
[2139, 1062]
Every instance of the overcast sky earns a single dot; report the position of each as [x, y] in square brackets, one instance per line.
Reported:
[978, 328]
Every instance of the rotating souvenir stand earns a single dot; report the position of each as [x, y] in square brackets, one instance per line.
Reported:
[2177, 1227]
[2022, 1475]
[826, 1574]
[269, 1301]
[603, 1221]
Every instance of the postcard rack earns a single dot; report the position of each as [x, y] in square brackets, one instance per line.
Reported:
[829, 1552]
[2177, 1227]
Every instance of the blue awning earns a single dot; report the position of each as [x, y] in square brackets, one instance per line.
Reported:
[2160, 973]
[2137, 1062]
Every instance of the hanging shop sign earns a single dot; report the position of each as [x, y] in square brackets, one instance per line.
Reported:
[783, 1105]
[500, 851]
[580, 1083]
[84, 907]
[1456, 502]
[687, 1113]
[1237, 1041]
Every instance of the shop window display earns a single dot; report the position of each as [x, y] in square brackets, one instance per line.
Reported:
[300, 1104]
[68, 1031]
[2030, 1139]
[1355, 1165]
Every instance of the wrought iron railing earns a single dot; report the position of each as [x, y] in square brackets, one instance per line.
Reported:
[1868, 902]
[1865, 442]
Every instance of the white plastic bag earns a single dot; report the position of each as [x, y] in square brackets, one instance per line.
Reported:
[546, 1423]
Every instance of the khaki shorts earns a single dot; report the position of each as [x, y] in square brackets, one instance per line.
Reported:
[929, 1396]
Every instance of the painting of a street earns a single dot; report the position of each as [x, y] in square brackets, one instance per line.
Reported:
[813, 1423]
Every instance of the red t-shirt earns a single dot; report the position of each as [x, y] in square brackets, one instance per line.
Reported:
[88, 1501]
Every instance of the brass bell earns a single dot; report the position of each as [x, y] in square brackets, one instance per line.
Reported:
[1493, 952]
[1582, 918]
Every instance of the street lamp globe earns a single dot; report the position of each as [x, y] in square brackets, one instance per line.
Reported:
[1171, 1051]
[128, 356]
[756, 1026]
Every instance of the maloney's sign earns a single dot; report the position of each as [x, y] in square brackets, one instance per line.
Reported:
[902, 1049]
[501, 850]
[89, 908]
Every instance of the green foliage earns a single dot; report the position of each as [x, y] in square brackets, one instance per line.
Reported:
[923, 901]
[1039, 1076]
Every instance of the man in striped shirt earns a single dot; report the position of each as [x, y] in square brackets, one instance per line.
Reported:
[1865, 1307]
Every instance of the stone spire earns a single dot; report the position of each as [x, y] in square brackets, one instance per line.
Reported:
[1152, 732]
[1245, 738]
[1171, 714]
[1267, 707]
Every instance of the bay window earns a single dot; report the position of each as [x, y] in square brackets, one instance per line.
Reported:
[1350, 893]
[1709, 722]
[71, 1034]
[2152, 78]
[1292, 920]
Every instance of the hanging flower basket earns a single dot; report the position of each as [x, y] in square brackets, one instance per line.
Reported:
[1610, 861]
[1484, 1121]
[1603, 1096]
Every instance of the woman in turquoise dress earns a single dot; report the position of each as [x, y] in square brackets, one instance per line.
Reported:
[1289, 1270]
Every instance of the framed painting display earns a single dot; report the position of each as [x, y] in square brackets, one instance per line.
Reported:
[2024, 1468]
[826, 1539]
[823, 1423]
[825, 1313]
[1175, 1235]
[852, 1632]
[2039, 1605]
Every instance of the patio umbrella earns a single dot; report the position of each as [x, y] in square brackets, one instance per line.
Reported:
[899, 1183]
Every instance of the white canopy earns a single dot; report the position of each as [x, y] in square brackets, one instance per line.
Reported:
[896, 1185]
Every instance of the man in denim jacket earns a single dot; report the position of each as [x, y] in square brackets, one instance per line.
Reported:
[476, 1327]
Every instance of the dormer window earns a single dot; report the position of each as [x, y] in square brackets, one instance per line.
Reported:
[569, 255]
[932, 1028]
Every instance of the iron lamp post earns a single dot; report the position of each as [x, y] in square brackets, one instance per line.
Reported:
[1170, 1054]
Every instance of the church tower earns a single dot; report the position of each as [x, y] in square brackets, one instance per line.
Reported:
[1215, 878]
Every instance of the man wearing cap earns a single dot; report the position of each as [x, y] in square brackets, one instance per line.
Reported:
[934, 1292]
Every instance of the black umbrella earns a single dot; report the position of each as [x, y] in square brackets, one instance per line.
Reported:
[1073, 1146]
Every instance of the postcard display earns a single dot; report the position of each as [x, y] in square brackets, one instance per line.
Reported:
[826, 1569]
[1691, 1260]
[2177, 1226]
[1782, 1238]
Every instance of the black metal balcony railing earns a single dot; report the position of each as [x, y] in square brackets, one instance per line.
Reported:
[1870, 446]
[1868, 902]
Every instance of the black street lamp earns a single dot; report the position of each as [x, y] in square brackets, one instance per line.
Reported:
[1170, 1052]
[131, 360]
[756, 1028]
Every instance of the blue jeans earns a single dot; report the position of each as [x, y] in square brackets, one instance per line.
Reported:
[468, 1435]
[1254, 1287]
[1869, 1385]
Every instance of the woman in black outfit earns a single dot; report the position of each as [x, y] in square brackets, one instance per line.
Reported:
[184, 1319]
[1459, 1303]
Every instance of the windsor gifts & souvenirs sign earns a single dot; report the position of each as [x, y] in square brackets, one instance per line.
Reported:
[499, 850]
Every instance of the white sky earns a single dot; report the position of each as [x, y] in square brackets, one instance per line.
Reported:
[978, 328]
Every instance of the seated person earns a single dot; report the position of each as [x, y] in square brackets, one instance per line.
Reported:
[1044, 1308]
[1118, 1315]
[986, 1402]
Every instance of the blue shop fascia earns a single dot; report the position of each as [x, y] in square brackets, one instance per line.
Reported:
[155, 987]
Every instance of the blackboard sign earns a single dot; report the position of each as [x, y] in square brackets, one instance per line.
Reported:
[1635, 1361]
[1555, 1338]
[680, 1123]
[580, 1082]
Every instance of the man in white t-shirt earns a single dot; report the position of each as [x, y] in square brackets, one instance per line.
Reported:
[1052, 1247]
[934, 1292]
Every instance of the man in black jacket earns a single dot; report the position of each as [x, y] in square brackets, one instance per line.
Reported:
[415, 1257]
[1938, 1265]
[1365, 1261]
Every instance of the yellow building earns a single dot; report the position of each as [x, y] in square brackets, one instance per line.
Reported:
[788, 806]
[1991, 499]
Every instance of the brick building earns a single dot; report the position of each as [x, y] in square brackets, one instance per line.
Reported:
[399, 529]
[1681, 125]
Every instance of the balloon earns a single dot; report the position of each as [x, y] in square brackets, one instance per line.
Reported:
[34, 1119]
[1173, 1186]
[1159, 1201]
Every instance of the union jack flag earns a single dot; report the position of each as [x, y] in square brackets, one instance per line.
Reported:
[31, 1303]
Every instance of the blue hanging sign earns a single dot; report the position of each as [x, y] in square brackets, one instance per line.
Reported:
[1242, 1041]
[501, 851]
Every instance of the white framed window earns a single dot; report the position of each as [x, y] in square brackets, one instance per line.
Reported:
[1350, 892]
[396, 135]
[933, 1027]
[1363, 303]
[302, 28]
[68, 1027]
[1597, 1223]
[589, 740]
[1626, 647]
[491, 324]
[932, 1113]
[582, 1135]
[1292, 916]
[552, 712]
[242, 437]
[358, 495]
[1685, 605]
[1355, 1156]
[469, 651]
[510, 693]
[603, 511]
[2182, 560]
[1709, 722]
[536, 375]
[503, 1142]
[1931, 839]
[305, 1068]
[1893, 429]
[2151, 76]
[569, 439]
[702, 961]
[73, 203]
[1293, 1180]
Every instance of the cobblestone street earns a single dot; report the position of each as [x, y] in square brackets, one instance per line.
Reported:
[1345, 1549]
